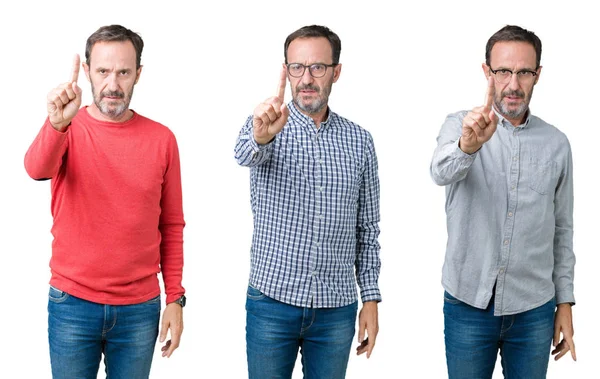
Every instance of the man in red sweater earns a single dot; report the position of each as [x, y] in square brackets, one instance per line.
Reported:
[118, 218]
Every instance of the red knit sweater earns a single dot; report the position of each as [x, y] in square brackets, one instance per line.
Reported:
[116, 204]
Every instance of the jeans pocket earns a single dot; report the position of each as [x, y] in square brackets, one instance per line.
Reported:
[254, 293]
[57, 296]
[450, 299]
[153, 300]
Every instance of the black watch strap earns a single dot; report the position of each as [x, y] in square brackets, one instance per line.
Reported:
[181, 301]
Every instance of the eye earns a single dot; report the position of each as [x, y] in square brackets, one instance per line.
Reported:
[504, 72]
[317, 68]
[525, 74]
[124, 72]
[102, 71]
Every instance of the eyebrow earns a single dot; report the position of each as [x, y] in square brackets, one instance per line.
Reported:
[519, 70]
[128, 70]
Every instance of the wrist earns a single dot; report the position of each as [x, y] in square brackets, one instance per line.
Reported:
[263, 140]
[181, 301]
[61, 127]
[467, 149]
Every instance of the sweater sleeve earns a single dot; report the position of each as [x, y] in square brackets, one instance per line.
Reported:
[171, 224]
[45, 155]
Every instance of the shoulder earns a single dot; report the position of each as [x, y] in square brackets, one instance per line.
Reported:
[153, 127]
[548, 129]
[350, 128]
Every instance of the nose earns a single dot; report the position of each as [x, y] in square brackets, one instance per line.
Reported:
[514, 82]
[113, 83]
[307, 78]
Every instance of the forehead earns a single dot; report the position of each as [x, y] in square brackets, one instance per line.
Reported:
[513, 54]
[310, 50]
[114, 53]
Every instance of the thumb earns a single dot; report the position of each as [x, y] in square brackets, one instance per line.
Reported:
[284, 110]
[361, 331]
[76, 88]
[493, 117]
[164, 327]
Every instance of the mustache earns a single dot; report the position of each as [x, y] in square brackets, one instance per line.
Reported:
[118, 94]
[308, 87]
[517, 93]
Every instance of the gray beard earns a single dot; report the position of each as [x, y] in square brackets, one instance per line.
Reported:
[115, 112]
[315, 107]
[512, 113]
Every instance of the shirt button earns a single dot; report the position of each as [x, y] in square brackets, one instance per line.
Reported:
[512, 187]
[510, 214]
[515, 158]
[506, 242]
[501, 270]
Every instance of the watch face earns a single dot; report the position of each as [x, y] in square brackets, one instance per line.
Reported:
[181, 301]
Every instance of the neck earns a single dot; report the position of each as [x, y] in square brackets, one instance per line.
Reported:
[517, 121]
[514, 121]
[98, 115]
[318, 117]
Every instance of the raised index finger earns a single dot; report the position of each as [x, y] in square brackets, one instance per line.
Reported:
[282, 83]
[489, 94]
[76, 64]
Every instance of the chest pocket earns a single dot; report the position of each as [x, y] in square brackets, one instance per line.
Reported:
[543, 175]
[343, 171]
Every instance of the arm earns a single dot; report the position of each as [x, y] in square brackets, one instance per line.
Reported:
[450, 164]
[255, 142]
[171, 224]
[462, 135]
[367, 229]
[368, 263]
[45, 155]
[247, 151]
[564, 261]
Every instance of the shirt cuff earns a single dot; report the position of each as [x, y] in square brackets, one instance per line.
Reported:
[459, 154]
[565, 297]
[258, 148]
[370, 293]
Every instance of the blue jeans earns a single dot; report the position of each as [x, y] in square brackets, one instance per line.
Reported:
[473, 337]
[275, 331]
[79, 332]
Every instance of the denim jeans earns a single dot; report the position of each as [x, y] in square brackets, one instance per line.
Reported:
[275, 331]
[79, 332]
[473, 337]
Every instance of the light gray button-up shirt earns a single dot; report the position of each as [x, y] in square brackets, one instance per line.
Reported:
[509, 210]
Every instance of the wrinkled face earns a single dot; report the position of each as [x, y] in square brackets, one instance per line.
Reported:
[311, 94]
[512, 99]
[113, 74]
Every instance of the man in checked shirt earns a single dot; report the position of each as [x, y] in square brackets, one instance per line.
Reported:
[508, 272]
[315, 202]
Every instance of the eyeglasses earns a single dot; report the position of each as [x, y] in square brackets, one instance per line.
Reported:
[317, 70]
[504, 75]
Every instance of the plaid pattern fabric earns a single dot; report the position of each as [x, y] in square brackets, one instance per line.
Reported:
[315, 202]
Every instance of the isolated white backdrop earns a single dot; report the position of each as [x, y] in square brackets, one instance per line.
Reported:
[206, 65]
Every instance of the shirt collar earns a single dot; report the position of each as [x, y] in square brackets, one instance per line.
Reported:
[300, 117]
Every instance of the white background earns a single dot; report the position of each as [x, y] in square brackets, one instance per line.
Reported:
[206, 66]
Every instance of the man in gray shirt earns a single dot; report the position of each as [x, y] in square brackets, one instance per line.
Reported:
[508, 271]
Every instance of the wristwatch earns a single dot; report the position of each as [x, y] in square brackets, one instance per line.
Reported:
[181, 301]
